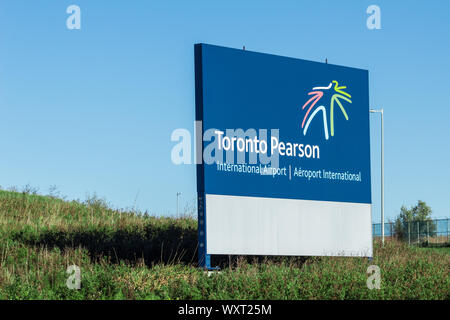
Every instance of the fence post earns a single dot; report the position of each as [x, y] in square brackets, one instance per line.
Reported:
[447, 230]
[418, 231]
[409, 232]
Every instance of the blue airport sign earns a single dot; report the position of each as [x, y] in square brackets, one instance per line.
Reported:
[278, 127]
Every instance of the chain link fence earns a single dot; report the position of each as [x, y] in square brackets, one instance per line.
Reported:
[416, 232]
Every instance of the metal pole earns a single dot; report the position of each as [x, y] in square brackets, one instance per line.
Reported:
[447, 229]
[428, 233]
[409, 232]
[418, 231]
[382, 175]
[178, 193]
[382, 172]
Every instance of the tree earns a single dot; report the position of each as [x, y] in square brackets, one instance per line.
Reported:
[415, 223]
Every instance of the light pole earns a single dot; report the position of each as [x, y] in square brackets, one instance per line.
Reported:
[382, 172]
[178, 194]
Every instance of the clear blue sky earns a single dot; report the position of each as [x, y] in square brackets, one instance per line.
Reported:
[92, 110]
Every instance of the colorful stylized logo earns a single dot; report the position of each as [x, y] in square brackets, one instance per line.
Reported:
[317, 94]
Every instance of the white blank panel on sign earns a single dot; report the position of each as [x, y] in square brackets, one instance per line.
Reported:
[270, 226]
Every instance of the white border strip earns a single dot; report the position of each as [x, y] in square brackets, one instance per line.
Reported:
[270, 226]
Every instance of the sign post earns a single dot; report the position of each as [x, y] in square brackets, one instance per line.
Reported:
[382, 172]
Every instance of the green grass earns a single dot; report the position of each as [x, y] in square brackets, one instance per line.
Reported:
[126, 255]
[445, 250]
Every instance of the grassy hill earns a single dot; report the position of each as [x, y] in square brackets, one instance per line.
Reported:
[125, 255]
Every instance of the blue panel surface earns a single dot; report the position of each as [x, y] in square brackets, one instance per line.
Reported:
[323, 106]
